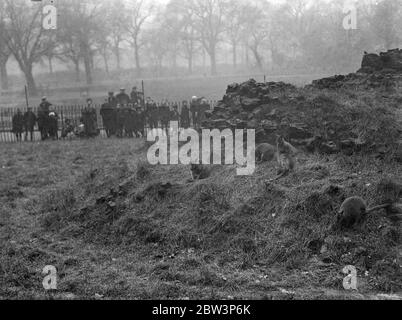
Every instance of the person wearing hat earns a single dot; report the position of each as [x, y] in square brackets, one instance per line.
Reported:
[29, 123]
[43, 118]
[123, 98]
[112, 99]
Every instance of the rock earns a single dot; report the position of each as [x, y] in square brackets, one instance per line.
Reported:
[372, 61]
[249, 104]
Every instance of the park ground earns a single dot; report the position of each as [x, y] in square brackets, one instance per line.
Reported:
[115, 230]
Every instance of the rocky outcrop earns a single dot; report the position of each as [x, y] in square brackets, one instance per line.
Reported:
[390, 61]
[318, 117]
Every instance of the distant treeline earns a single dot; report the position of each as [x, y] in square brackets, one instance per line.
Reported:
[183, 37]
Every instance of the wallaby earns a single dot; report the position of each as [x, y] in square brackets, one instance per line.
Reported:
[199, 171]
[285, 148]
[354, 209]
[289, 151]
[265, 153]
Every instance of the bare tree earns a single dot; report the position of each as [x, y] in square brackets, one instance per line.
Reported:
[209, 22]
[116, 23]
[233, 22]
[70, 51]
[4, 52]
[25, 36]
[51, 53]
[138, 13]
[255, 30]
[80, 25]
[180, 17]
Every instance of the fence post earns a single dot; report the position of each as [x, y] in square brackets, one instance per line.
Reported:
[1, 125]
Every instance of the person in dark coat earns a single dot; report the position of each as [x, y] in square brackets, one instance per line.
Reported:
[123, 98]
[29, 123]
[53, 126]
[120, 118]
[89, 119]
[174, 114]
[152, 113]
[134, 96]
[194, 108]
[18, 124]
[203, 108]
[108, 114]
[112, 99]
[140, 121]
[185, 116]
[164, 115]
[129, 120]
[43, 117]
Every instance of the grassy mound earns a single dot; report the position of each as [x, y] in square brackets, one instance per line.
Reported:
[241, 221]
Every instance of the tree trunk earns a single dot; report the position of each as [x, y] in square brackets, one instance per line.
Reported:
[49, 59]
[87, 62]
[77, 70]
[234, 52]
[174, 61]
[105, 61]
[87, 65]
[246, 55]
[137, 58]
[3, 75]
[117, 54]
[33, 91]
[212, 56]
[257, 58]
[190, 64]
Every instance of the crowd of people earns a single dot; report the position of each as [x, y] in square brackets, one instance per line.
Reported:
[122, 115]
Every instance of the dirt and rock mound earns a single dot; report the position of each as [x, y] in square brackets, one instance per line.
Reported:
[351, 113]
[378, 72]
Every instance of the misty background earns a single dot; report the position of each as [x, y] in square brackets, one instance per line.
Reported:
[120, 41]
